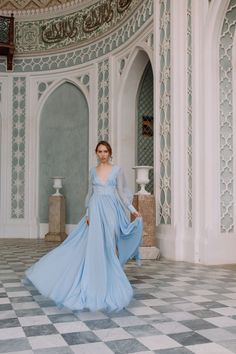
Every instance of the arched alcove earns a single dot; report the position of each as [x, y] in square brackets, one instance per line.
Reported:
[63, 149]
[127, 111]
[144, 123]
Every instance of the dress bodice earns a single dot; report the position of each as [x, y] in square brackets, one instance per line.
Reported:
[115, 185]
[110, 182]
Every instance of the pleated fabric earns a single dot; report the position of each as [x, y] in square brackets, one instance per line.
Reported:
[85, 271]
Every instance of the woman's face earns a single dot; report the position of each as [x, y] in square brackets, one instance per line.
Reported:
[103, 153]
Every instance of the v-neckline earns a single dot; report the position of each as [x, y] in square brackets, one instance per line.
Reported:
[108, 176]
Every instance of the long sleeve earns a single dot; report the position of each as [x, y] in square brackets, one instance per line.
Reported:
[89, 193]
[123, 191]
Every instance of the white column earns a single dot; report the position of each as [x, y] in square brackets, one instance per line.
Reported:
[178, 122]
[214, 247]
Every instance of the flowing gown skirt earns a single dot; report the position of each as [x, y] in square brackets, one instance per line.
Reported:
[84, 272]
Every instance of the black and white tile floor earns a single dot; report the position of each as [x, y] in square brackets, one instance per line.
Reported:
[178, 308]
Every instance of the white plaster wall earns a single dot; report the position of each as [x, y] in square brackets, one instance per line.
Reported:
[214, 247]
[203, 242]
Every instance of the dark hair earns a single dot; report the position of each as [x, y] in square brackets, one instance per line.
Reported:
[105, 143]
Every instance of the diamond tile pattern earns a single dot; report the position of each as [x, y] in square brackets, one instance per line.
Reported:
[178, 308]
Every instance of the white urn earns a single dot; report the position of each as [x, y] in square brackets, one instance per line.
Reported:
[57, 184]
[142, 177]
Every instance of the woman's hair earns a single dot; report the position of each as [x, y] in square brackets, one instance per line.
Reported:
[105, 143]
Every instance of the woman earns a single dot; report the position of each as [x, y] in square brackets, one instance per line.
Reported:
[85, 271]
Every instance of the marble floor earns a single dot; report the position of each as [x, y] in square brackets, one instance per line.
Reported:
[178, 308]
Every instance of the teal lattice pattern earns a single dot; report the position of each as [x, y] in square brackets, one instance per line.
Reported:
[4, 30]
[18, 148]
[226, 120]
[103, 100]
[189, 115]
[90, 52]
[165, 116]
[145, 139]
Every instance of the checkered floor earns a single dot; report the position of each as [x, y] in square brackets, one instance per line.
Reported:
[178, 308]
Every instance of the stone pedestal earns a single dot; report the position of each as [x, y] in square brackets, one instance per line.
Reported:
[145, 204]
[56, 219]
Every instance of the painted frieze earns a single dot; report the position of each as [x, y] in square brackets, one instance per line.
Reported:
[74, 29]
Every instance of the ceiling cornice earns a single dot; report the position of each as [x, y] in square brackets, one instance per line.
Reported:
[31, 8]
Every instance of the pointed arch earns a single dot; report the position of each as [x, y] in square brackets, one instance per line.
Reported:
[74, 129]
[55, 84]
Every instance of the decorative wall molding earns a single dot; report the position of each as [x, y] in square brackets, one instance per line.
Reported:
[226, 120]
[31, 4]
[165, 116]
[44, 85]
[189, 115]
[146, 42]
[103, 100]
[18, 148]
[37, 7]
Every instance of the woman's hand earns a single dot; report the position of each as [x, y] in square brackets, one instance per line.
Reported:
[87, 220]
[136, 214]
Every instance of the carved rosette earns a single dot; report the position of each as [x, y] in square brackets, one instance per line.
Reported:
[42, 87]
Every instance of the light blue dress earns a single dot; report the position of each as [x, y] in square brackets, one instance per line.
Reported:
[84, 272]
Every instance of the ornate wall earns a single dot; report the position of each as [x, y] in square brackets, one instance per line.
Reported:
[144, 148]
[165, 112]
[103, 49]
[227, 174]
[76, 44]
[202, 107]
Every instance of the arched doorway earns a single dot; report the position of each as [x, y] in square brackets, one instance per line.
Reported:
[144, 124]
[130, 90]
[63, 149]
